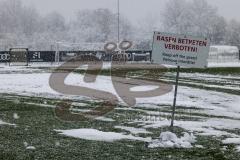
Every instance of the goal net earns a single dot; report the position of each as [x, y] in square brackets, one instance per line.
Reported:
[66, 51]
[18, 57]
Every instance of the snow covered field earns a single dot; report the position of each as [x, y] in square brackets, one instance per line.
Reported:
[200, 112]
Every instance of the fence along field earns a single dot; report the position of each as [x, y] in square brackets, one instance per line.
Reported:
[133, 55]
[50, 56]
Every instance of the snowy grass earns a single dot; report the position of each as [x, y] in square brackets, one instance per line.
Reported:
[36, 126]
[212, 116]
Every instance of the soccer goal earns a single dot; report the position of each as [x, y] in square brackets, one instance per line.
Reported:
[67, 50]
[18, 57]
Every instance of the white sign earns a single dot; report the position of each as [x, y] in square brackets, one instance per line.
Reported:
[180, 50]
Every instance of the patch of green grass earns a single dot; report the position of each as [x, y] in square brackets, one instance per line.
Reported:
[36, 126]
[215, 71]
[221, 71]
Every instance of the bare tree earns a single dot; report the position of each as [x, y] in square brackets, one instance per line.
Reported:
[176, 16]
[11, 12]
[30, 21]
[233, 33]
[55, 22]
[195, 17]
[100, 26]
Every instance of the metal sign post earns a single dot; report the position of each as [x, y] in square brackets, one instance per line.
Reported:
[175, 98]
[180, 50]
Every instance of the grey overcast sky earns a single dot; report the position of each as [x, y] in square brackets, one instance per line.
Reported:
[133, 9]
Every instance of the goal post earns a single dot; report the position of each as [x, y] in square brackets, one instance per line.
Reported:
[66, 50]
[18, 57]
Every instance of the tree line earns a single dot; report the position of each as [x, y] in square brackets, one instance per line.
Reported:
[23, 25]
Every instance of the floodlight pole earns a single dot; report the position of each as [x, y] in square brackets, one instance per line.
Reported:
[175, 98]
[118, 15]
[57, 57]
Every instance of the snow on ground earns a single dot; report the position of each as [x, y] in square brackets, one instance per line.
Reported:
[30, 147]
[96, 135]
[16, 116]
[26, 84]
[37, 84]
[170, 140]
[133, 130]
[231, 141]
[37, 65]
[143, 88]
[5, 123]
[102, 83]
[208, 80]
[78, 104]
[42, 105]
[105, 119]
[208, 127]
[224, 64]
[210, 103]
[228, 82]
[216, 102]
